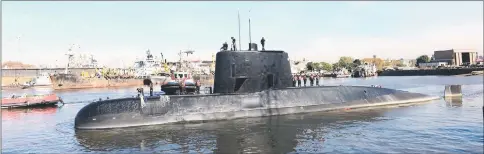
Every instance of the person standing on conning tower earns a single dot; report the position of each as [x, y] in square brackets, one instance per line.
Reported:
[263, 43]
[233, 44]
[225, 46]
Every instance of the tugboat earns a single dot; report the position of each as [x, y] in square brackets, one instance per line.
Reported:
[247, 84]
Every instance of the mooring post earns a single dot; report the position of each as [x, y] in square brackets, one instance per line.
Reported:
[453, 90]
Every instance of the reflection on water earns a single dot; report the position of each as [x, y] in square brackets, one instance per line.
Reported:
[455, 101]
[443, 126]
[11, 114]
[277, 134]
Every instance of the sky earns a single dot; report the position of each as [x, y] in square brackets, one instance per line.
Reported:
[118, 32]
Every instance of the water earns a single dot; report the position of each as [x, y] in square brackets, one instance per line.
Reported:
[441, 126]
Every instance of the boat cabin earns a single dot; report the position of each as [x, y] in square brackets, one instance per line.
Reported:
[181, 75]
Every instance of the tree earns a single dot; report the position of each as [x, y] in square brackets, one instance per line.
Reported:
[345, 62]
[326, 66]
[423, 59]
[309, 66]
[316, 66]
[357, 62]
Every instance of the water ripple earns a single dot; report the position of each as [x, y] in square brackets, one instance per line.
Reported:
[442, 126]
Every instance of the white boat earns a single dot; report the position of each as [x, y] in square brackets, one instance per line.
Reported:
[341, 73]
[43, 79]
[145, 68]
[365, 70]
[160, 78]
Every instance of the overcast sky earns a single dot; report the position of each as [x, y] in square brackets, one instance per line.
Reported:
[119, 31]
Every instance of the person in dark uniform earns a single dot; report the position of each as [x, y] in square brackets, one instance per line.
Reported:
[294, 77]
[317, 79]
[224, 47]
[299, 78]
[304, 79]
[198, 86]
[233, 44]
[311, 80]
[263, 43]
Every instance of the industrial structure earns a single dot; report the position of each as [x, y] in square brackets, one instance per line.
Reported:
[455, 57]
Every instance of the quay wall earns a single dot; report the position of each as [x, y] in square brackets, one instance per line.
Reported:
[34, 71]
[425, 72]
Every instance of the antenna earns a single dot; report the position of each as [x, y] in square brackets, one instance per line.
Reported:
[238, 15]
[250, 37]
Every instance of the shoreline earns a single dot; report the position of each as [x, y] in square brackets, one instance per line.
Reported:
[432, 72]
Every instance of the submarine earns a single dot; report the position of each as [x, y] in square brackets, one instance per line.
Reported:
[252, 83]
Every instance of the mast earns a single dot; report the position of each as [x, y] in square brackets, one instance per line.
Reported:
[250, 37]
[238, 15]
[69, 55]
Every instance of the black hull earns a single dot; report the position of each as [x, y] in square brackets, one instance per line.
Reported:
[129, 112]
[175, 90]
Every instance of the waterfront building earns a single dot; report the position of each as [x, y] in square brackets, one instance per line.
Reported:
[432, 64]
[456, 57]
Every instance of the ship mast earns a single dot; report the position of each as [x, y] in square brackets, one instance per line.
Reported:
[69, 58]
[238, 15]
[250, 36]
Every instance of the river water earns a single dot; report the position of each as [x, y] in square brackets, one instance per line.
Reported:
[441, 126]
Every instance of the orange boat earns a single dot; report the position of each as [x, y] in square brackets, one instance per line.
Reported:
[30, 101]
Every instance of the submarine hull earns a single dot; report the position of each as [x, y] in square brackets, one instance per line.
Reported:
[128, 112]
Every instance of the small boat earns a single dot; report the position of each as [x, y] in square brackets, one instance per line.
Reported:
[30, 101]
[160, 78]
[43, 79]
[172, 87]
[341, 73]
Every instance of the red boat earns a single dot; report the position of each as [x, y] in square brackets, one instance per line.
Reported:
[30, 101]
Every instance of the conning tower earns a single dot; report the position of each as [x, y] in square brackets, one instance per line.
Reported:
[251, 71]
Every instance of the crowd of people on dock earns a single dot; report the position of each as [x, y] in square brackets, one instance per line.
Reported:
[299, 80]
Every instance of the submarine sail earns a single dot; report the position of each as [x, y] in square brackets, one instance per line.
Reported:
[249, 71]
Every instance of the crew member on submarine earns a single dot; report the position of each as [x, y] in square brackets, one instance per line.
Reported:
[197, 84]
[224, 47]
[304, 79]
[317, 79]
[234, 48]
[299, 78]
[263, 43]
[311, 80]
